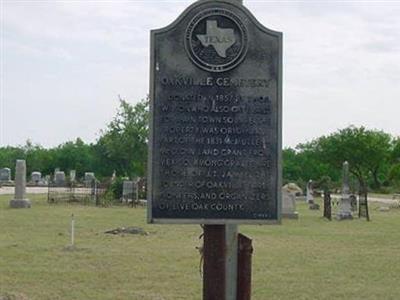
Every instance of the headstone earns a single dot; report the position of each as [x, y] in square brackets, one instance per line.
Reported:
[353, 202]
[215, 128]
[20, 200]
[72, 175]
[289, 204]
[59, 178]
[89, 178]
[45, 180]
[310, 192]
[327, 205]
[345, 202]
[36, 177]
[113, 176]
[5, 175]
[363, 211]
[128, 190]
[293, 188]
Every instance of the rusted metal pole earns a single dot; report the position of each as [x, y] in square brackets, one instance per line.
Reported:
[231, 242]
[245, 251]
[214, 252]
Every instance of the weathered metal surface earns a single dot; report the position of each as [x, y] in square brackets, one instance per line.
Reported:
[214, 252]
[231, 240]
[244, 268]
[215, 130]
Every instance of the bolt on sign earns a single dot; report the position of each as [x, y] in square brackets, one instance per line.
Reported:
[215, 128]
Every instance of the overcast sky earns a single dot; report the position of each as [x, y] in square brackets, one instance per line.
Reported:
[64, 63]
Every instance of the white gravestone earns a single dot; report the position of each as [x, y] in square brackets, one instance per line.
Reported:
[345, 202]
[289, 204]
[309, 193]
[5, 175]
[130, 190]
[89, 177]
[36, 177]
[72, 175]
[59, 178]
[20, 200]
[127, 190]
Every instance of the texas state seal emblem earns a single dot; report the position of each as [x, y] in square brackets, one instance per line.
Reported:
[216, 40]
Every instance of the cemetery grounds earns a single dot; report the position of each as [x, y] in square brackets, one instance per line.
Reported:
[309, 258]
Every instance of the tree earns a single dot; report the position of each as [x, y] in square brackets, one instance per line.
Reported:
[303, 164]
[395, 153]
[291, 167]
[367, 152]
[8, 156]
[124, 143]
[394, 175]
[37, 158]
[74, 156]
[312, 165]
[394, 171]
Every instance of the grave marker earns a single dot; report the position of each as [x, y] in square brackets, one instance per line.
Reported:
[128, 191]
[363, 211]
[289, 204]
[36, 177]
[309, 192]
[353, 202]
[327, 205]
[345, 205]
[20, 200]
[5, 175]
[72, 175]
[59, 178]
[89, 178]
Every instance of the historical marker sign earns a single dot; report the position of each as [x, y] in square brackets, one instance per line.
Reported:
[215, 129]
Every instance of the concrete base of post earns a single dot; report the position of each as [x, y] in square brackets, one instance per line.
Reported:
[21, 203]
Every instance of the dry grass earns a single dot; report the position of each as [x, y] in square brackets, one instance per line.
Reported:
[309, 258]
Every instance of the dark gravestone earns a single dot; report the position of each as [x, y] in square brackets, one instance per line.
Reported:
[215, 136]
[363, 211]
[353, 202]
[327, 205]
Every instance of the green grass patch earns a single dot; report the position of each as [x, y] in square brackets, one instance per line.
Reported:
[309, 258]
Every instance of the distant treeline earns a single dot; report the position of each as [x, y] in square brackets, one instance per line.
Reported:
[121, 147]
[373, 155]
